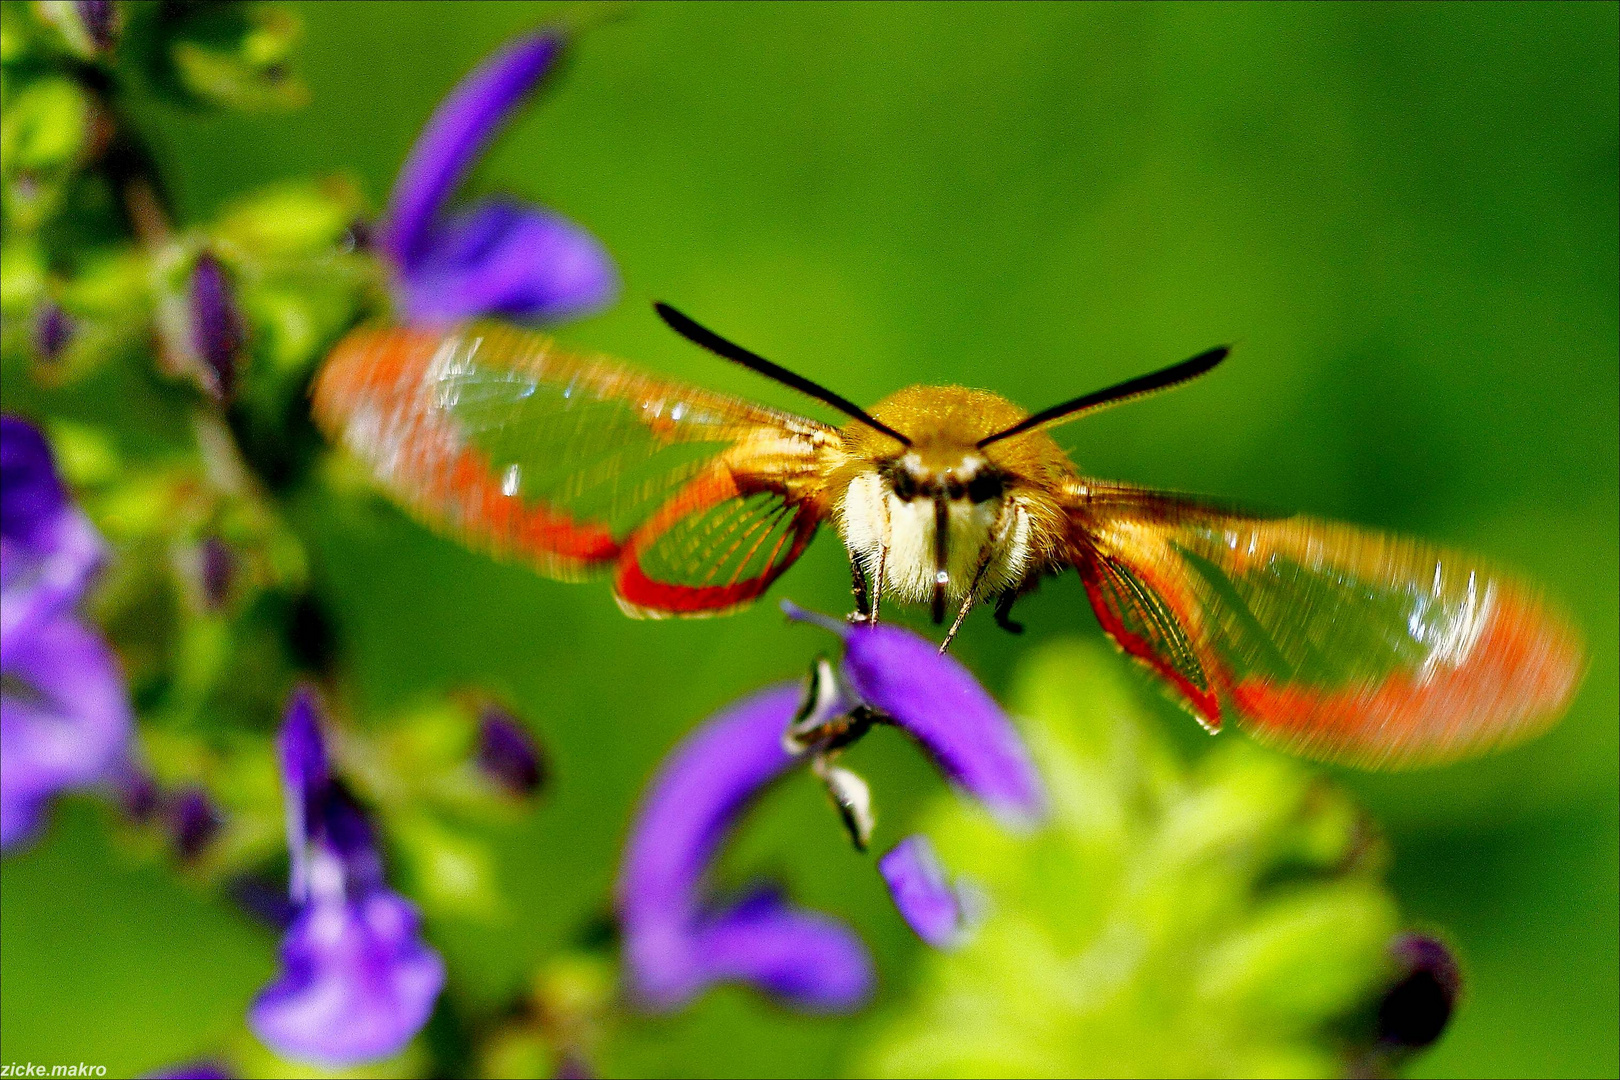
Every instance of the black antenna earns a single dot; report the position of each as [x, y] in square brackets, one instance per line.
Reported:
[1130, 388]
[703, 337]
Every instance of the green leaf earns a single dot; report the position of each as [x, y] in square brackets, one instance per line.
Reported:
[236, 56]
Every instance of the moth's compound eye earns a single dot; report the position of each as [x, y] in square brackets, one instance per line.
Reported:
[986, 484]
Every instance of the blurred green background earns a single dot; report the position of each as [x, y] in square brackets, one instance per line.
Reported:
[1404, 216]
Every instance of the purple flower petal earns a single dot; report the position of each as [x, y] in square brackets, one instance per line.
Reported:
[49, 551]
[31, 494]
[357, 982]
[940, 913]
[64, 721]
[305, 776]
[809, 960]
[519, 262]
[673, 945]
[940, 704]
[454, 137]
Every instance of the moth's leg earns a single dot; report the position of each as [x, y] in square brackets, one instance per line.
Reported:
[830, 718]
[969, 600]
[863, 599]
[850, 794]
[877, 584]
[961, 616]
[1003, 521]
[1004, 606]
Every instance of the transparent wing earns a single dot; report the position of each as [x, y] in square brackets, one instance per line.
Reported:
[1336, 642]
[712, 549]
[515, 446]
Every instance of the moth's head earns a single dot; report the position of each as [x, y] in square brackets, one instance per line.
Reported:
[931, 471]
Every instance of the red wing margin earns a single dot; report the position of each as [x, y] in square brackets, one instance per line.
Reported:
[574, 465]
[1338, 643]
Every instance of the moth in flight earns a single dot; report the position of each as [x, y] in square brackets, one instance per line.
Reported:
[1340, 643]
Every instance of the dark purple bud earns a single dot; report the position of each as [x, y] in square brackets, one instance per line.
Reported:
[1415, 1011]
[216, 327]
[263, 899]
[138, 794]
[53, 329]
[100, 21]
[193, 821]
[202, 1069]
[216, 570]
[572, 1066]
[508, 754]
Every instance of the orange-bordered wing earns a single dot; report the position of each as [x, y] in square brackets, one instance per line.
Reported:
[1338, 643]
[695, 501]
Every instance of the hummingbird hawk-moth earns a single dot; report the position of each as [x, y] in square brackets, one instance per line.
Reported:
[1338, 642]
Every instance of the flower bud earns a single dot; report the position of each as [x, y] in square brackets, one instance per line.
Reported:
[216, 327]
[193, 821]
[53, 330]
[1415, 1011]
[508, 754]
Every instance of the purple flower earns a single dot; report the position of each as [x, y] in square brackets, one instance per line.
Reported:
[676, 941]
[357, 981]
[941, 913]
[496, 257]
[64, 716]
[679, 940]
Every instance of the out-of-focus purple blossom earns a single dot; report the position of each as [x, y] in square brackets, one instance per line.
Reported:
[205, 1069]
[264, 899]
[357, 981]
[496, 257]
[49, 551]
[1415, 1011]
[216, 571]
[678, 940]
[216, 329]
[100, 18]
[53, 330]
[508, 754]
[193, 821]
[64, 716]
[90, 27]
[942, 913]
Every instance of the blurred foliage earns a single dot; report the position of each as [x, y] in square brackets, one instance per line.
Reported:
[1404, 215]
[1218, 921]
